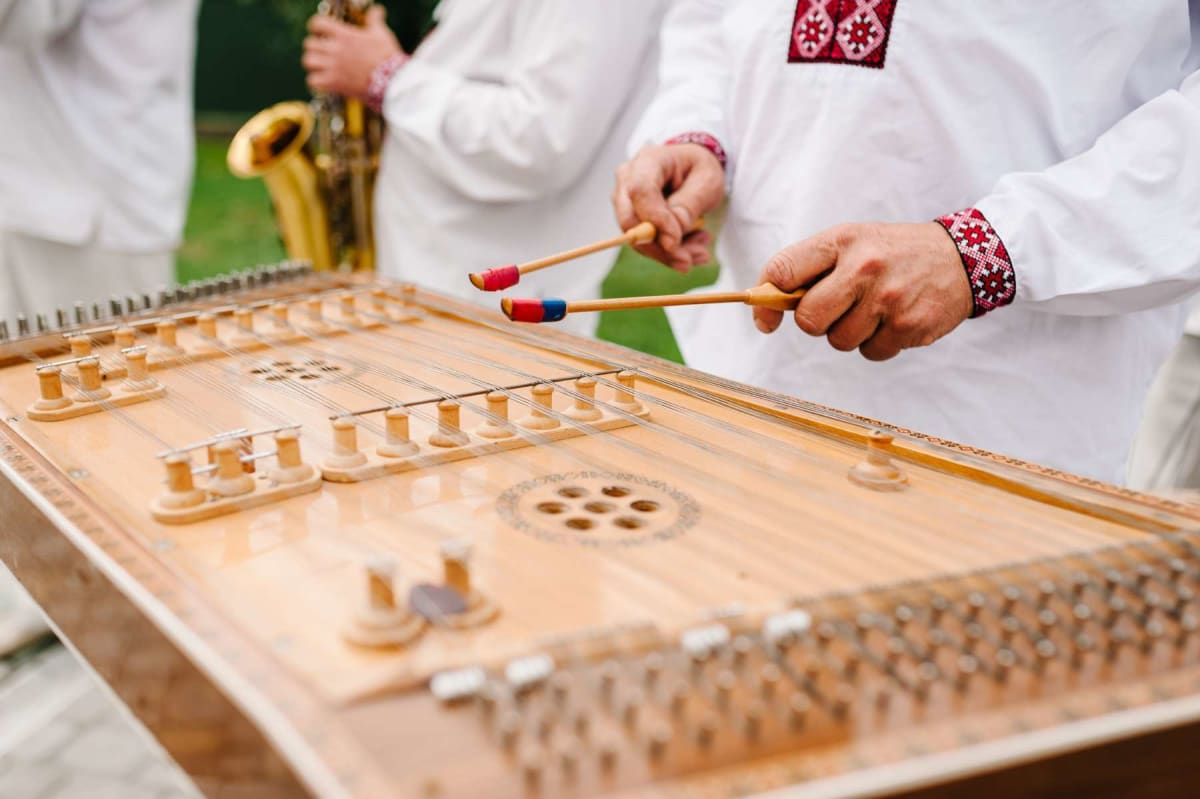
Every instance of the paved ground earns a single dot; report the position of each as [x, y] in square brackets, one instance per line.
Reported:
[63, 736]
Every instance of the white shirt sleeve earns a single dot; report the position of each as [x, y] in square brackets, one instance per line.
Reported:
[30, 23]
[575, 65]
[693, 77]
[1117, 228]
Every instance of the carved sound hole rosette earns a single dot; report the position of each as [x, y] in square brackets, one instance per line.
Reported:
[303, 370]
[598, 509]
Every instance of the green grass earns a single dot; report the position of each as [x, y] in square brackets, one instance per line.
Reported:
[230, 226]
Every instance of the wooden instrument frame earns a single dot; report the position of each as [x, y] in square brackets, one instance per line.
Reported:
[246, 720]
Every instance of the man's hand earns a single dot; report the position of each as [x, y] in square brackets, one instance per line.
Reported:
[878, 288]
[670, 186]
[340, 57]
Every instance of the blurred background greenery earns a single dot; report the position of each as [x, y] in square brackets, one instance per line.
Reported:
[248, 57]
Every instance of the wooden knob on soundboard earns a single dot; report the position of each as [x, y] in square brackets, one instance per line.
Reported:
[449, 432]
[314, 314]
[539, 417]
[291, 468]
[137, 371]
[397, 444]
[124, 337]
[382, 621]
[166, 333]
[90, 387]
[624, 397]
[379, 300]
[349, 314]
[230, 479]
[50, 390]
[456, 565]
[244, 335]
[877, 472]
[279, 315]
[381, 576]
[495, 426]
[206, 325]
[345, 445]
[81, 345]
[584, 409]
[181, 489]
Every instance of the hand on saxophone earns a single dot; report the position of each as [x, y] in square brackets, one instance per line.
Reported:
[340, 57]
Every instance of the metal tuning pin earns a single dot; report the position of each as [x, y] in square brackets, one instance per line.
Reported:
[345, 445]
[131, 304]
[42, 325]
[624, 395]
[50, 390]
[449, 431]
[61, 318]
[91, 389]
[137, 372]
[181, 489]
[80, 313]
[22, 325]
[230, 479]
[539, 417]
[496, 424]
[381, 621]
[877, 472]
[97, 312]
[115, 309]
[290, 467]
[4, 335]
[584, 409]
[397, 443]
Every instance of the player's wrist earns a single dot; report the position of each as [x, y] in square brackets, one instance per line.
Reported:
[381, 76]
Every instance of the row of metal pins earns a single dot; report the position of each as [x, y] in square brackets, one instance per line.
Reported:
[117, 307]
[1169, 571]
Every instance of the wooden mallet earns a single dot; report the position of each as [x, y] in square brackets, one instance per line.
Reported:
[551, 310]
[500, 278]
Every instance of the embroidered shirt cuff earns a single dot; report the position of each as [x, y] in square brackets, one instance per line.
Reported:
[705, 140]
[984, 256]
[381, 76]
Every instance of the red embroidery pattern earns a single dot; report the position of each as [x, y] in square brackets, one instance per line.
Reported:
[381, 76]
[842, 31]
[704, 140]
[984, 256]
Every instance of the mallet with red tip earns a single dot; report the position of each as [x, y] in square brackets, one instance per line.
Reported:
[547, 310]
[502, 277]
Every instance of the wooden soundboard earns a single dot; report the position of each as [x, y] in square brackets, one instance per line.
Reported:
[339, 537]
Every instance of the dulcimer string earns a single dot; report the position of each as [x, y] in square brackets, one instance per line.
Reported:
[409, 341]
[1123, 552]
[467, 377]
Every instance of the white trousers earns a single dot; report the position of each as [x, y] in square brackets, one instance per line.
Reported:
[1166, 455]
[40, 276]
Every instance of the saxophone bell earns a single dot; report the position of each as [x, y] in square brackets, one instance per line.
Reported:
[319, 163]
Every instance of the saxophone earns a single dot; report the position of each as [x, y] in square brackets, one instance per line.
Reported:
[318, 160]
